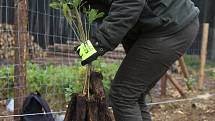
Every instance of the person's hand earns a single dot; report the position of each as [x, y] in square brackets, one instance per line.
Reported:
[87, 52]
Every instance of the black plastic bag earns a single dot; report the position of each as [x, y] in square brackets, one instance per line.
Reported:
[35, 104]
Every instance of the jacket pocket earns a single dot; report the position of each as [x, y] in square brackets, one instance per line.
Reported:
[161, 7]
[161, 10]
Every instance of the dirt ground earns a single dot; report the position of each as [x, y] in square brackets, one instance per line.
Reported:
[191, 110]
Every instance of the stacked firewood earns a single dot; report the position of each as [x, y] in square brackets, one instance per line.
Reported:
[7, 44]
[35, 51]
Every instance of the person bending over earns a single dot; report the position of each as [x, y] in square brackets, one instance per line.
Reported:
[154, 34]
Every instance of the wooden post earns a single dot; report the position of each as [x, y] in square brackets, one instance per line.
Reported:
[163, 85]
[213, 38]
[1, 11]
[176, 85]
[183, 67]
[203, 55]
[21, 21]
[213, 43]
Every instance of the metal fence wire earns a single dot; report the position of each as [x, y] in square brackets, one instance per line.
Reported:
[50, 62]
[51, 65]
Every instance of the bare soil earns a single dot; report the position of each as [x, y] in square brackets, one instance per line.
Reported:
[191, 110]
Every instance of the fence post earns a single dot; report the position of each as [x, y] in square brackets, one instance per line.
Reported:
[1, 13]
[163, 85]
[183, 67]
[21, 23]
[176, 85]
[203, 55]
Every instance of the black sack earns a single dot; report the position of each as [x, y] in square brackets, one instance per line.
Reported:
[34, 103]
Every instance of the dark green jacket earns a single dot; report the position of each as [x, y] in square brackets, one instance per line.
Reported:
[130, 18]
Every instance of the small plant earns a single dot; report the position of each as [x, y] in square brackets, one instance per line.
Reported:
[213, 74]
[190, 82]
[82, 27]
[72, 11]
[6, 81]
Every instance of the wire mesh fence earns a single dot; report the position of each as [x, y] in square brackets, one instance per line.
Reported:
[51, 66]
[50, 63]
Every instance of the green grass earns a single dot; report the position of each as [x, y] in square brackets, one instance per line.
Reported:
[193, 64]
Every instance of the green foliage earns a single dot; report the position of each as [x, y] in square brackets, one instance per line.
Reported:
[76, 3]
[192, 61]
[72, 12]
[213, 74]
[93, 14]
[190, 82]
[56, 82]
[66, 10]
[6, 81]
[58, 4]
[55, 5]
[108, 71]
[52, 76]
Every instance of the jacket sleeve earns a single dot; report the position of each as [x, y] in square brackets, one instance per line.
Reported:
[123, 15]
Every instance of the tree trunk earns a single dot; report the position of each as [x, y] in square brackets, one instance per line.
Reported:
[93, 108]
[77, 108]
[20, 55]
